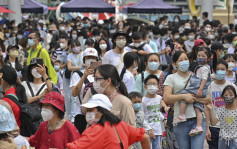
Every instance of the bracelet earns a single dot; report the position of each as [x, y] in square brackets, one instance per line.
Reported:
[47, 79]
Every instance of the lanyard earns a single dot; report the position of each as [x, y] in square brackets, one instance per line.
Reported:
[112, 98]
[50, 131]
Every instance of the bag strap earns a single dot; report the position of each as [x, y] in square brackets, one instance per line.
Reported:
[81, 74]
[142, 75]
[39, 52]
[120, 142]
[41, 88]
[187, 81]
[14, 99]
[29, 86]
[93, 92]
[121, 60]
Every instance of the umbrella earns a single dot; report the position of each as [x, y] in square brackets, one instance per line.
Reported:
[4, 10]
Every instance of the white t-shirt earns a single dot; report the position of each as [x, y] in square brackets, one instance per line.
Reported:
[21, 142]
[113, 58]
[35, 88]
[231, 79]
[128, 80]
[203, 72]
[160, 48]
[178, 83]
[146, 48]
[75, 59]
[228, 123]
[215, 90]
[153, 116]
[189, 45]
[231, 50]
[75, 78]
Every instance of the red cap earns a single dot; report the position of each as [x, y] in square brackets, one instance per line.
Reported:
[55, 99]
[199, 42]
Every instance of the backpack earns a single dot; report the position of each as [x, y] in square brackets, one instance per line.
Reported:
[88, 85]
[30, 116]
[141, 64]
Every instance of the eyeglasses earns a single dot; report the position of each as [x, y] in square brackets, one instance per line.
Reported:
[97, 78]
[31, 38]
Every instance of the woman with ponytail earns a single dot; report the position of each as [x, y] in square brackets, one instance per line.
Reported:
[217, 53]
[130, 66]
[8, 80]
[108, 82]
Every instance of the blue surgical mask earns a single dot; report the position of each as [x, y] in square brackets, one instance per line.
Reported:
[31, 42]
[45, 28]
[153, 66]
[202, 61]
[222, 55]
[186, 27]
[220, 74]
[56, 67]
[137, 106]
[183, 66]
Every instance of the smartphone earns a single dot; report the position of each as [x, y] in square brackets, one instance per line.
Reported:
[40, 61]
[95, 64]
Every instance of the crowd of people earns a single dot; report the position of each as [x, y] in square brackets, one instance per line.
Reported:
[92, 84]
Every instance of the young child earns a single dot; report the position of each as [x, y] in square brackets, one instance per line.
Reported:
[227, 118]
[199, 83]
[59, 75]
[151, 105]
[136, 99]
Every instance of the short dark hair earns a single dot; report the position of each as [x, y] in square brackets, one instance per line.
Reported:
[151, 77]
[134, 95]
[163, 31]
[221, 61]
[37, 34]
[228, 87]
[137, 35]
[229, 56]
[205, 14]
[174, 31]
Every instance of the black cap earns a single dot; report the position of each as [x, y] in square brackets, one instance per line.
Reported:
[217, 46]
[12, 46]
[121, 33]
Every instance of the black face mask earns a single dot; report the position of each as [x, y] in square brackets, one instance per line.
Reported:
[229, 100]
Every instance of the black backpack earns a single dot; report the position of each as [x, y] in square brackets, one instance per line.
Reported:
[141, 64]
[30, 116]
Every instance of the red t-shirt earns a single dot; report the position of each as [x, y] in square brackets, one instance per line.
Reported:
[16, 110]
[104, 137]
[57, 139]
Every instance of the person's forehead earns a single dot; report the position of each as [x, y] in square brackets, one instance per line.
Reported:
[32, 34]
[120, 37]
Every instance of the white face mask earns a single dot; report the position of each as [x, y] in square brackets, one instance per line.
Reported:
[121, 43]
[47, 114]
[98, 88]
[176, 36]
[210, 36]
[62, 45]
[152, 89]
[231, 66]
[190, 37]
[103, 46]
[208, 29]
[137, 45]
[88, 62]
[91, 119]
[35, 73]
[62, 28]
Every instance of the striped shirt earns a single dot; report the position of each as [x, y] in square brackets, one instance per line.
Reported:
[58, 53]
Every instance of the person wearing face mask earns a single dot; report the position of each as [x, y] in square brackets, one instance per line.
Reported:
[214, 94]
[208, 28]
[170, 44]
[74, 59]
[191, 39]
[140, 48]
[115, 56]
[130, 67]
[234, 45]
[147, 39]
[106, 128]
[108, 82]
[226, 117]
[136, 99]
[103, 47]
[10, 85]
[37, 50]
[152, 63]
[55, 131]
[80, 82]
[59, 75]
[151, 104]
[230, 73]
[173, 85]
[38, 83]
[63, 48]
[12, 58]
[74, 34]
